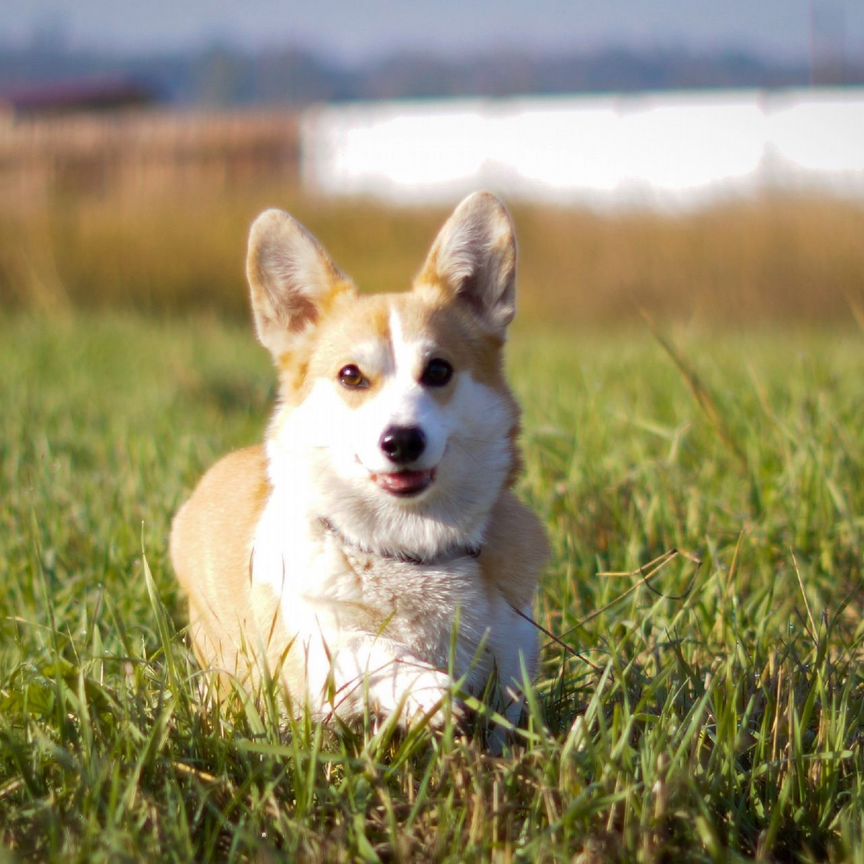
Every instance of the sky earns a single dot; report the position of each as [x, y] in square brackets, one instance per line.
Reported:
[358, 30]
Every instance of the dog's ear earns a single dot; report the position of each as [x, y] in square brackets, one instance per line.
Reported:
[291, 279]
[473, 259]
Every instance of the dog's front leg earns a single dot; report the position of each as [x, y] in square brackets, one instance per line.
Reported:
[378, 672]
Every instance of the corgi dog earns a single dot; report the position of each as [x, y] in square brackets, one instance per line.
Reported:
[371, 552]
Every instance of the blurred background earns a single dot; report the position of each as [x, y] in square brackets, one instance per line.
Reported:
[695, 160]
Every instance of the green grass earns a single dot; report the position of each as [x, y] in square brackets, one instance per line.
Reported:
[713, 714]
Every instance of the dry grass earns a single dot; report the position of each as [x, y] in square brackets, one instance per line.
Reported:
[774, 258]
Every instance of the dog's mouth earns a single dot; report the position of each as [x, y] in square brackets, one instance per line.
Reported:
[405, 484]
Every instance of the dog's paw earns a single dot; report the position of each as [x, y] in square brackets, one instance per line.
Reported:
[421, 697]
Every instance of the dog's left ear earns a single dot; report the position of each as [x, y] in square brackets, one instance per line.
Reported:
[473, 259]
[291, 279]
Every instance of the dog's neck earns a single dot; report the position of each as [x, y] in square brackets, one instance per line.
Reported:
[445, 556]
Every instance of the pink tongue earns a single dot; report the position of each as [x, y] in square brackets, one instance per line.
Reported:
[404, 482]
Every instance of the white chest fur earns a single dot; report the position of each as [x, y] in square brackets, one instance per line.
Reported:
[379, 625]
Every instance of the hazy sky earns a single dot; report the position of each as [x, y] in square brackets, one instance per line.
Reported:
[367, 28]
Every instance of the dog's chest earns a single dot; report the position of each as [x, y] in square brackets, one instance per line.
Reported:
[414, 594]
[324, 583]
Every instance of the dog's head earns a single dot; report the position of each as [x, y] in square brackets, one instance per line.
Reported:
[395, 403]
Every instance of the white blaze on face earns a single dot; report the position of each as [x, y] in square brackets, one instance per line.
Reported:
[353, 434]
[401, 401]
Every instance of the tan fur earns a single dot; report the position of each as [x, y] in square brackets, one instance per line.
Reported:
[515, 551]
[232, 625]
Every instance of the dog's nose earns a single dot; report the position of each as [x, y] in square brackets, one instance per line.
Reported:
[403, 444]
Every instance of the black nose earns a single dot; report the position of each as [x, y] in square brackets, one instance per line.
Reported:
[403, 444]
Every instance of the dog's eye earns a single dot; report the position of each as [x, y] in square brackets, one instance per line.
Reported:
[437, 373]
[351, 377]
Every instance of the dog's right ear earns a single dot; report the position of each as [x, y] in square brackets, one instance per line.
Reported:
[291, 279]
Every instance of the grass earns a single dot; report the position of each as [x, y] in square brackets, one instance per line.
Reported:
[772, 258]
[713, 714]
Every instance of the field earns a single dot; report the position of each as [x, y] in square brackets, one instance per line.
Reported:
[770, 259]
[703, 711]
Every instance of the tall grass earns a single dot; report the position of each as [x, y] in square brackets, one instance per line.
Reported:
[713, 714]
[771, 258]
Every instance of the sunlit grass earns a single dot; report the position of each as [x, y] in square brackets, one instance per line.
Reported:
[714, 713]
[773, 258]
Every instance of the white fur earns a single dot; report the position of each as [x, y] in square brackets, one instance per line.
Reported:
[339, 446]
[411, 610]
[401, 401]
[321, 454]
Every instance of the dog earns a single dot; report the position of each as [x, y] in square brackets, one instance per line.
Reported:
[371, 553]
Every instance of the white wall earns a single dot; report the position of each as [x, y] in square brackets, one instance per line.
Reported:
[671, 150]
